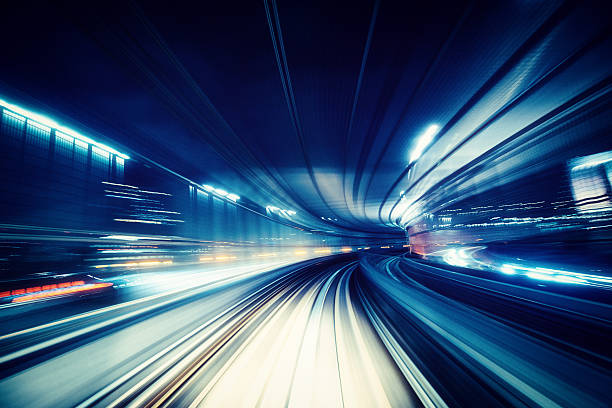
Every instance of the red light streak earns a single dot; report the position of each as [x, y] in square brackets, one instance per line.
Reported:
[62, 291]
[63, 286]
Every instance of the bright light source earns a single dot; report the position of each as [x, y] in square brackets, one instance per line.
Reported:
[122, 237]
[540, 276]
[591, 164]
[423, 141]
[34, 116]
[280, 211]
[221, 192]
[208, 188]
[43, 120]
[222, 258]
[508, 270]
[265, 255]
[135, 220]
[567, 279]
[233, 197]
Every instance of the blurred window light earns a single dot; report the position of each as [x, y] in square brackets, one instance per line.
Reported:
[46, 124]
[221, 192]
[280, 211]
[591, 182]
[592, 163]
[14, 116]
[39, 126]
[423, 141]
[222, 258]
[81, 143]
[100, 152]
[64, 138]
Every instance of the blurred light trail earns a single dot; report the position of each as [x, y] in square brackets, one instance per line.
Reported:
[423, 141]
[48, 287]
[470, 257]
[221, 192]
[433, 229]
[81, 287]
[131, 264]
[35, 117]
[327, 332]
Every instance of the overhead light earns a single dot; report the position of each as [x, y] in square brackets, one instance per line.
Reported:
[423, 141]
[221, 192]
[280, 211]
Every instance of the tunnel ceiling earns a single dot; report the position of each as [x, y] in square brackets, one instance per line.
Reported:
[311, 107]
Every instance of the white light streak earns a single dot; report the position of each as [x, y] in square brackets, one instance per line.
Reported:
[423, 141]
[48, 122]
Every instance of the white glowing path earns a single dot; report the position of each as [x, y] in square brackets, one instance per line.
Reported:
[313, 350]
